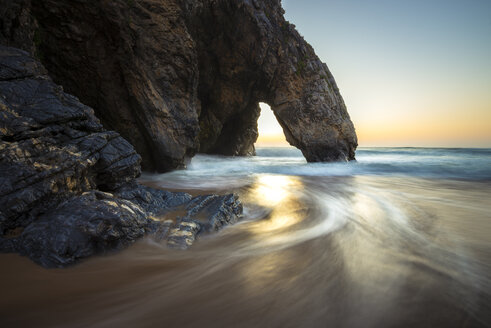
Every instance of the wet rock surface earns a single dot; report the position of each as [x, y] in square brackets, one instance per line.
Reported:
[204, 214]
[175, 77]
[68, 186]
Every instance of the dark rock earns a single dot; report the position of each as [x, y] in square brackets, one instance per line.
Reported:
[153, 201]
[175, 77]
[212, 212]
[183, 235]
[92, 223]
[134, 63]
[68, 186]
[204, 214]
[248, 54]
[17, 25]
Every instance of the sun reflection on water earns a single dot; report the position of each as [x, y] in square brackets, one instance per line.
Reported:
[279, 194]
[270, 190]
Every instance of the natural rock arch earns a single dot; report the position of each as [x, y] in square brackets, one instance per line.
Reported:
[250, 54]
[175, 77]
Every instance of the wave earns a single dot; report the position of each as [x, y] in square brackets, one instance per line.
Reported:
[209, 171]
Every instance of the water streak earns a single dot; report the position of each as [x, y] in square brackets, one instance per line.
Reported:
[399, 238]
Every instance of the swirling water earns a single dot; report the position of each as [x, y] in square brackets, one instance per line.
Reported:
[400, 238]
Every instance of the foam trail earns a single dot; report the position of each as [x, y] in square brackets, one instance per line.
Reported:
[398, 238]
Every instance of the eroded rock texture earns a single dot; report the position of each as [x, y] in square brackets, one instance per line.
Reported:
[175, 77]
[247, 54]
[67, 185]
[134, 63]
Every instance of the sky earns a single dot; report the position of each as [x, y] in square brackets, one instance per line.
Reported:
[412, 73]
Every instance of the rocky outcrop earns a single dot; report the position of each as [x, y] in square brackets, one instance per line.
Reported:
[175, 77]
[68, 185]
[203, 214]
[248, 54]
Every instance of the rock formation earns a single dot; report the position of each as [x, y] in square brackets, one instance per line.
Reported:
[175, 77]
[248, 54]
[171, 77]
[68, 185]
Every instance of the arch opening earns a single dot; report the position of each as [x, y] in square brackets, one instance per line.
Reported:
[270, 132]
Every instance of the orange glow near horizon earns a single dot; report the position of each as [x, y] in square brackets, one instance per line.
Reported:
[420, 129]
[277, 140]
[270, 131]
[439, 116]
[459, 133]
[408, 135]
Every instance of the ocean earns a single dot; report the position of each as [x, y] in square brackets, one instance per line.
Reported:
[399, 238]
[434, 163]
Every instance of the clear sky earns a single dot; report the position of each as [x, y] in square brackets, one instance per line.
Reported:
[412, 73]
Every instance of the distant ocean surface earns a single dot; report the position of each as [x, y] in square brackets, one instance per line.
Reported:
[456, 163]
[399, 238]
[444, 163]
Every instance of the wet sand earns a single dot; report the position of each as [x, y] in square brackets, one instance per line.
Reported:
[310, 252]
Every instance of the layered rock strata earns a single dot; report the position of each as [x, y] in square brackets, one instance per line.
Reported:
[68, 185]
[175, 77]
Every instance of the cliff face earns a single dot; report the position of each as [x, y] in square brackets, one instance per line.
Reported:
[134, 63]
[178, 76]
[68, 185]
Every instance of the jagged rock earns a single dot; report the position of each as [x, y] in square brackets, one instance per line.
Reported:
[204, 214]
[68, 186]
[153, 201]
[92, 223]
[183, 235]
[178, 76]
[212, 212]
[51, 145]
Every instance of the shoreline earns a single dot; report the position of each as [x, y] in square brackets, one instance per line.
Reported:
[427, 252]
